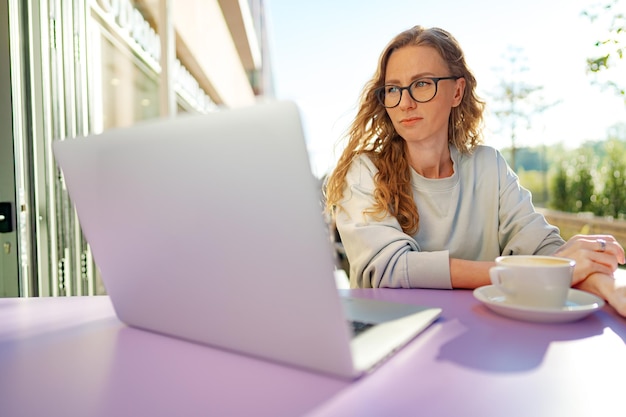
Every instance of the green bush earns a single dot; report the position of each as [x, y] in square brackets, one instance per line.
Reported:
[591, 178]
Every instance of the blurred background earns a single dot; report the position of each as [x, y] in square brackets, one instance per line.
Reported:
[552, 74]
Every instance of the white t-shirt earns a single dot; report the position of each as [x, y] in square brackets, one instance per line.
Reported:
[478, 213]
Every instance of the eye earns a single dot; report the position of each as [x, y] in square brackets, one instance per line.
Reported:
[392, 89]
[422, 83]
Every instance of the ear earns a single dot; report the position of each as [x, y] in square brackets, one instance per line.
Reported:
[459, 91]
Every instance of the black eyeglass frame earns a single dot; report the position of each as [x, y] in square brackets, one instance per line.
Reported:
[380, 91]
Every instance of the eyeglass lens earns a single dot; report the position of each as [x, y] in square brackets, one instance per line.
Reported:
[421, 90]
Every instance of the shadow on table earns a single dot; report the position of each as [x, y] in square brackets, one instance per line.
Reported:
[499, 344]
[151, 373]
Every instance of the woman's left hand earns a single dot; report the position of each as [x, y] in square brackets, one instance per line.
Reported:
[593, 254]
[609, 287]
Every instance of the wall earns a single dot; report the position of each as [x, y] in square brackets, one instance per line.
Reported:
[573, 223]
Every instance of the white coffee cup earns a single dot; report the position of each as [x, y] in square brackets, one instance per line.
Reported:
[532, 280]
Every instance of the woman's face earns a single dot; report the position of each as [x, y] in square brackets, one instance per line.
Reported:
[420, 122]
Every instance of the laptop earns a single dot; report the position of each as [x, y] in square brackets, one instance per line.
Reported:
[209, 228]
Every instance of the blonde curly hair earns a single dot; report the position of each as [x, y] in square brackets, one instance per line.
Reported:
[372, 132]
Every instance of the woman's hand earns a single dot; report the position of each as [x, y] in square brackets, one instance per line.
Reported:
[611, 288]
[594, 254]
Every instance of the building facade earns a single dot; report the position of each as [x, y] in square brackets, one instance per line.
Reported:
[76, 67]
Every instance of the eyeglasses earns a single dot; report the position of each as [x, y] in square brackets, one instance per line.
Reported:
[421, 90]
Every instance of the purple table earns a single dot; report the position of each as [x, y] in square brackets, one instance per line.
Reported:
[72, 357]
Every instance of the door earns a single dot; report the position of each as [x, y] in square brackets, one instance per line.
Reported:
[9, 265]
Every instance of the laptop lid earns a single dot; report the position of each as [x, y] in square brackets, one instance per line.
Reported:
[209, 228]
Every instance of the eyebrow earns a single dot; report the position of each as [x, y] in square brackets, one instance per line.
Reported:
[413, 78]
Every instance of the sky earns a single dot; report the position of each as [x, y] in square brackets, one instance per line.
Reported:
[324, 51]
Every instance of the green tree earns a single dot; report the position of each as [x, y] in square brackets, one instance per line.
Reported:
[560, 187]
[531, 159]
[612, 201]
[582, 186]
[611, 48]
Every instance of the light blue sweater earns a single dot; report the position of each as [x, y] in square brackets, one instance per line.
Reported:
[478, 213]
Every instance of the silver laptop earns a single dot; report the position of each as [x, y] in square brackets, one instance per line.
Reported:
[210, 229]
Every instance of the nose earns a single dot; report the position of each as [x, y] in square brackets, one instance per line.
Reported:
[406, 101]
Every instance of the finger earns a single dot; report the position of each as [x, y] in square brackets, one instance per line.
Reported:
[606, 243]
[590, 268]
[617, 248]
[607, 260]
[590, 238]
[597, 243]
[601, 245]
[611, 246]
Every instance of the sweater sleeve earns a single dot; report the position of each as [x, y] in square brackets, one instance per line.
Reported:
[522, 230]
[379, 252]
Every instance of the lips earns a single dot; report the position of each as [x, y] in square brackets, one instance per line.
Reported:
[410, 121]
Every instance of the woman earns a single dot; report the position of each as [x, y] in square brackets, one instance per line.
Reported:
[419, 202]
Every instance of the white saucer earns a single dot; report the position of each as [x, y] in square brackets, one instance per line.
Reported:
[579, 304]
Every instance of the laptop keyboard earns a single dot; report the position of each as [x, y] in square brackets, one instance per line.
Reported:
[359, 327]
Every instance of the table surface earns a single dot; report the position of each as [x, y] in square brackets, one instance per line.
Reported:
[71, 356]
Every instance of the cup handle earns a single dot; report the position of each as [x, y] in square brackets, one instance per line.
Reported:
[494, 274]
